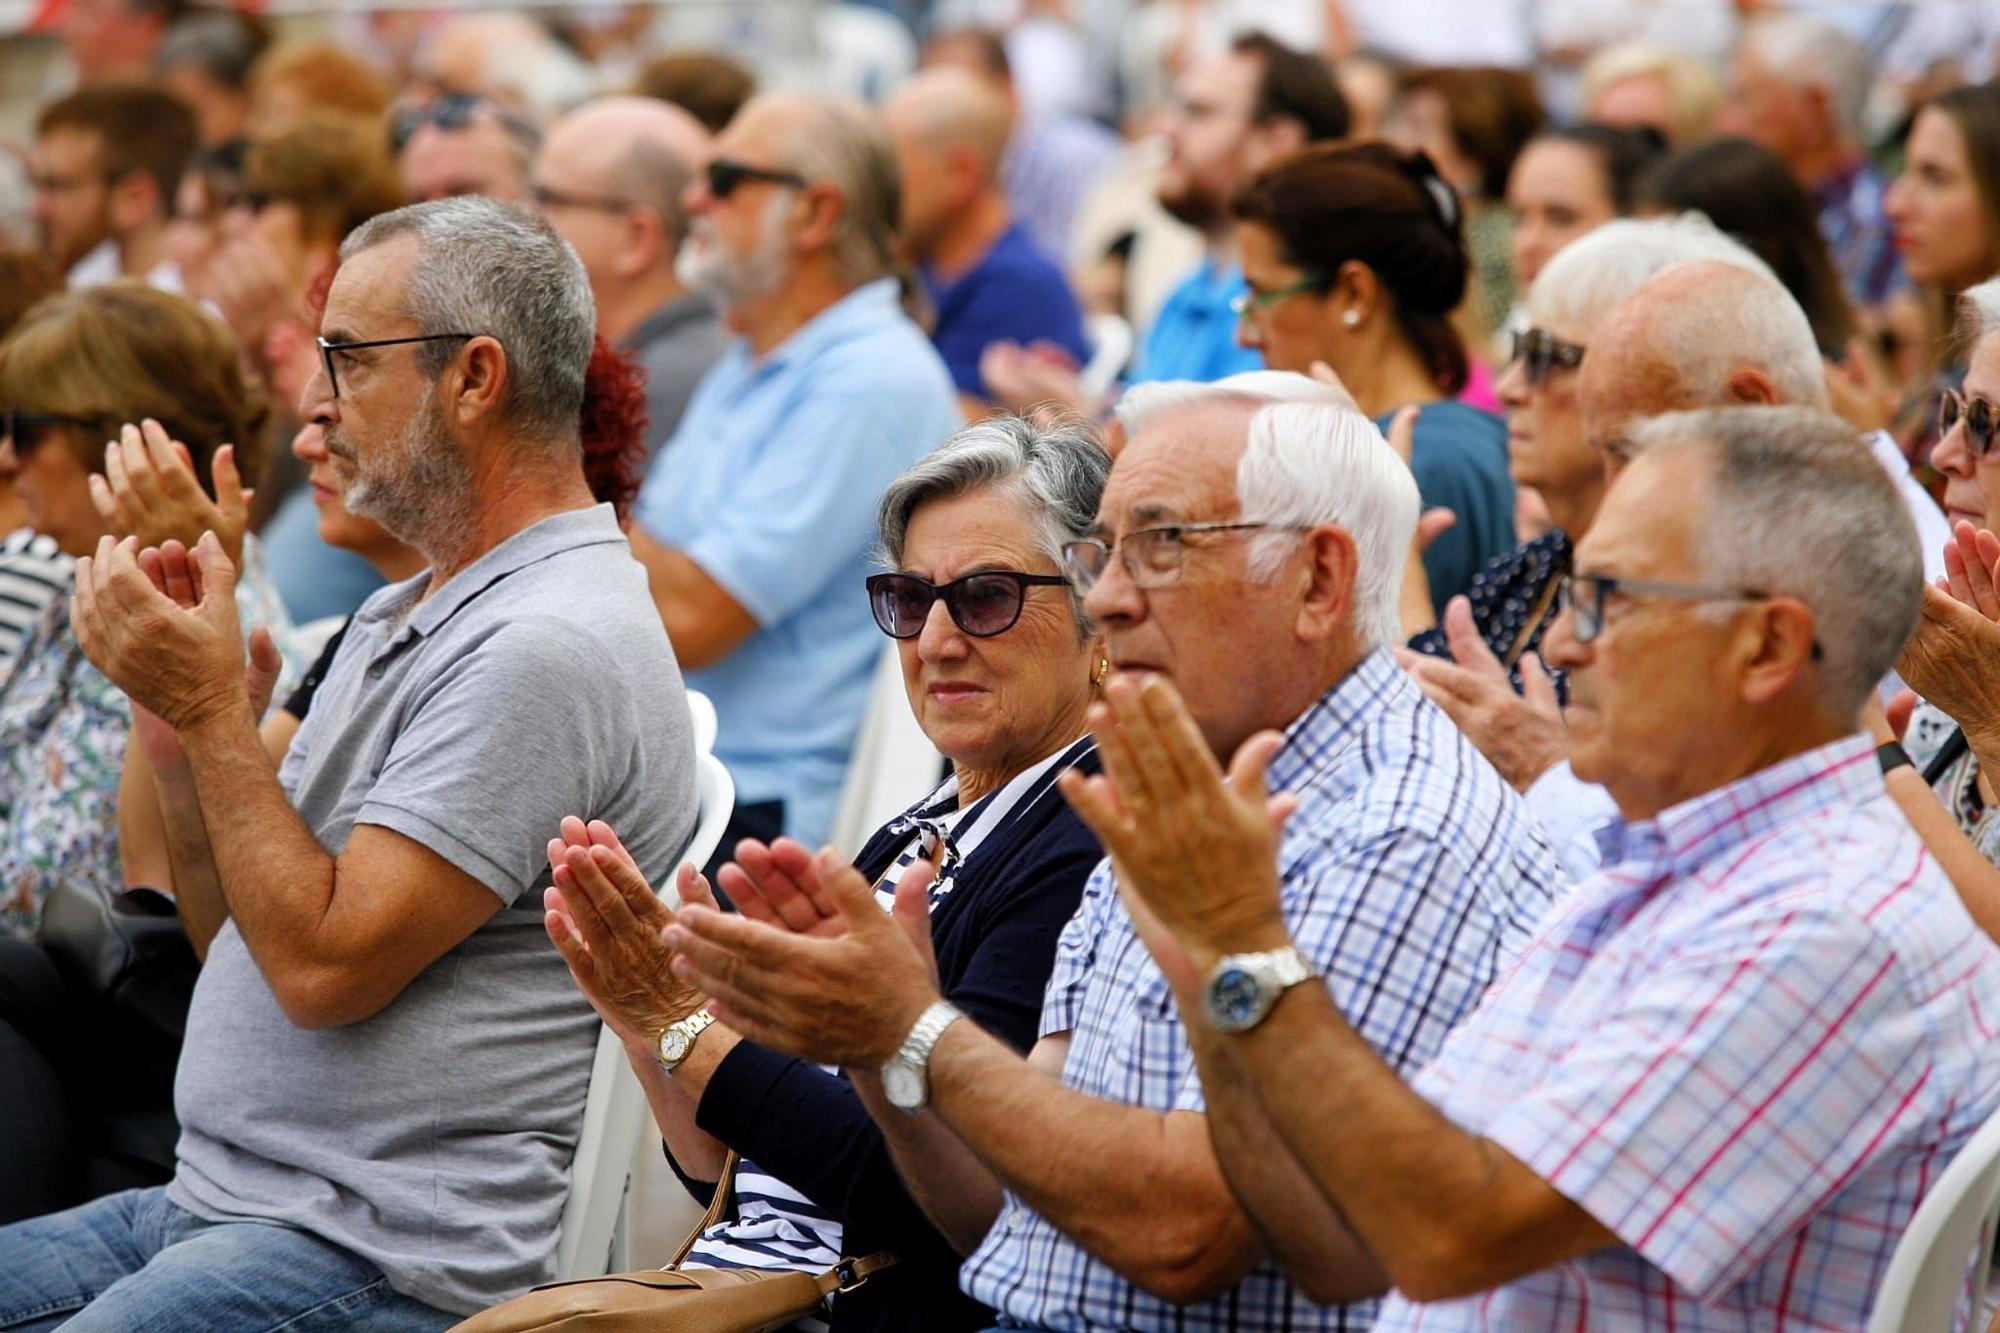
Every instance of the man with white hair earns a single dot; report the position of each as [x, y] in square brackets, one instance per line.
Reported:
[1249, 553]
[1712, 1090]
[1799, 86]
[609, 177]
[757, 517]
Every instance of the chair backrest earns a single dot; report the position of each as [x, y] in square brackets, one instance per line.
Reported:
[894, 763]
[1948, 1248]
[1111, 344]
[614, 1110]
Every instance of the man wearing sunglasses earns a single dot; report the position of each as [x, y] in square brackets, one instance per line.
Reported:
[756, 519]
[459, 143]
[1712, 1089]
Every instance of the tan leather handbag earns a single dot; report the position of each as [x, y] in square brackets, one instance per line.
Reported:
[675, 1299]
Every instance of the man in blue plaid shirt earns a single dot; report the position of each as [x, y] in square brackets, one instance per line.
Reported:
[1250, 553]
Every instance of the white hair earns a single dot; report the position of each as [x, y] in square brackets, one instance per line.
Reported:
[1143, 403]
[1586, 279]
[1980, 308]
[1748, 322]
[1798, 507]
[1809, 52]
[1315, 463]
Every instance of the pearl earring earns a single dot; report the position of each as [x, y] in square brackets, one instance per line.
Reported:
[1351, 318]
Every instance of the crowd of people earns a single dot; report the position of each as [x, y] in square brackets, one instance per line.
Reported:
[1455, 608]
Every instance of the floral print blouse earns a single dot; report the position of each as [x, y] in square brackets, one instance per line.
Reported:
[63, 729]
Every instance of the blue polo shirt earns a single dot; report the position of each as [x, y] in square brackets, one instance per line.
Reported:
[1194, 335]
[1014, 293]
[770, 485]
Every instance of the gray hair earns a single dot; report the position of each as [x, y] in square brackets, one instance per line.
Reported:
[1142, 403]
[1059, 470]
[843, 144]
[1809, 52]
[654, 177]
[1586, 279]
[1749, 322]
[219, 43]
[1798, 507]
[485, 267]
[1979, 308]
[1311, 464]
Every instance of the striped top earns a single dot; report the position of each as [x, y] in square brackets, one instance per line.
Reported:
[776, 1227]
[32, 573]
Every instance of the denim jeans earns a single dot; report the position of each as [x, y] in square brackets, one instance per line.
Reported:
[133, 1261]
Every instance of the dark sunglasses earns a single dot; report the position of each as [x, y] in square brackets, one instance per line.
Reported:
[1541, 354]
[26, 430]
[455, 111]
[724, 176]
[982, 604]
[1981, 418]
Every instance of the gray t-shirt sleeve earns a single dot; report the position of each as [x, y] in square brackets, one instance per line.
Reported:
[489, 761]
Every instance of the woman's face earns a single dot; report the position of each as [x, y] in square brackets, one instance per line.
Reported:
[1546, 446]
[193, 233]
[53, 486]
[1942, 233]
[1972, 484]
[1292, 331]
[1556, 193]
[994, 705]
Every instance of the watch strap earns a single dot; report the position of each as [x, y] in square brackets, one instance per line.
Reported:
[924, 1033]
[691, 1028]
[1891, 756]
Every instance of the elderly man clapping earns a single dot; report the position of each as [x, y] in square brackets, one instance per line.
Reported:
[1712, 1090]
[1249, 554]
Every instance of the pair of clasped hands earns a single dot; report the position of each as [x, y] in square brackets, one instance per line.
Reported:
[812, 966]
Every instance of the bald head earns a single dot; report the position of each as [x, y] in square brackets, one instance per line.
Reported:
[950, 108]
[632, 148]
[1702, 334]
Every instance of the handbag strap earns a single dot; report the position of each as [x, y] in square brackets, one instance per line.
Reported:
[725, 1185]
[851, 1273]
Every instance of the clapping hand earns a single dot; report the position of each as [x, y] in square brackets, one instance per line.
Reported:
[780, 885]
[182, 659]
[1522, 735]
[1199, 852]
[1953, 658]
[149, 491]
[177, 576]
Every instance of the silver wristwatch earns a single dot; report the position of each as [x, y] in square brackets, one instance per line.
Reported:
[906, 1078]
[1243, 987]
[678, 1040]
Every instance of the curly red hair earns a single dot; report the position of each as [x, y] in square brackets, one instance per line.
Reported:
[614, 427]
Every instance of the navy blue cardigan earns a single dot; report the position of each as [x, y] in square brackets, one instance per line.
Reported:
[995, 937]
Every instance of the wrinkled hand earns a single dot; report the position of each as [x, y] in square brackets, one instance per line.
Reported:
[1953, 660]
[846, 1000]
[1972, 569]
[184, 662]
[781, 886]
[1202, 854]
[606, 922]
[173, 575]
[149, 491]
[1521, 735]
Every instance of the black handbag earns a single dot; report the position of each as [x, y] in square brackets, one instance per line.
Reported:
[128, 948]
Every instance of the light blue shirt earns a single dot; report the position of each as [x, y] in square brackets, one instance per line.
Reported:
[1194, 335]
[770, 485]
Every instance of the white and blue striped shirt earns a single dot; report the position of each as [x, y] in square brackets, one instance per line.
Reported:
[1410, 871]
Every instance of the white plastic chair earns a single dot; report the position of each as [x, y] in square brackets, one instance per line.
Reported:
[894, 763]
[614, 1110]
[1111, 344]
[1948, 1248]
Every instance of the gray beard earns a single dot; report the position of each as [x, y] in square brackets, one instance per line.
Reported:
[423, 494]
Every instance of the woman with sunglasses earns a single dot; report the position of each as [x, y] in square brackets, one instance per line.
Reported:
[1000, 666]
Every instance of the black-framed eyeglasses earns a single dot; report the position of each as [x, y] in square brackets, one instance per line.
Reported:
[724, 175]
[25, 431]
[1246, 303]
[982, 604]
[1584, 596]
[327, 349]
[1541, 354]
[1981, 419]
[455, 111]
[1152, 556]
[547, 197]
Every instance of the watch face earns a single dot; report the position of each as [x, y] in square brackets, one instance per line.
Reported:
[1235, 999]
[673, 1047]
[904, 1086]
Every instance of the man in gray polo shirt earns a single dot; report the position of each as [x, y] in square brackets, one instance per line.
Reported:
[385, 1062]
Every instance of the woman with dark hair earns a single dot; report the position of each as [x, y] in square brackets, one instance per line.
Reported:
[1569, 180]
[1353, 257]
[1747, 191]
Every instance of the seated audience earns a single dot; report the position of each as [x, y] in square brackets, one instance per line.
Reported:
[356, 1127]
[987, 281]
[1718, 1081]
[209, 187]
[32, 569]
[999, 677]
[1636, 86]
[460, 143]
[1567, 181]
[1249, 553]
[1799, 86]
[106, 162]
[755, 519]
[1352, 257]
[205, 60]
[707, 85]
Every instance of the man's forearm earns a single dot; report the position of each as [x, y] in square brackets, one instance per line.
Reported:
[958, 1192]
[196, 883]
